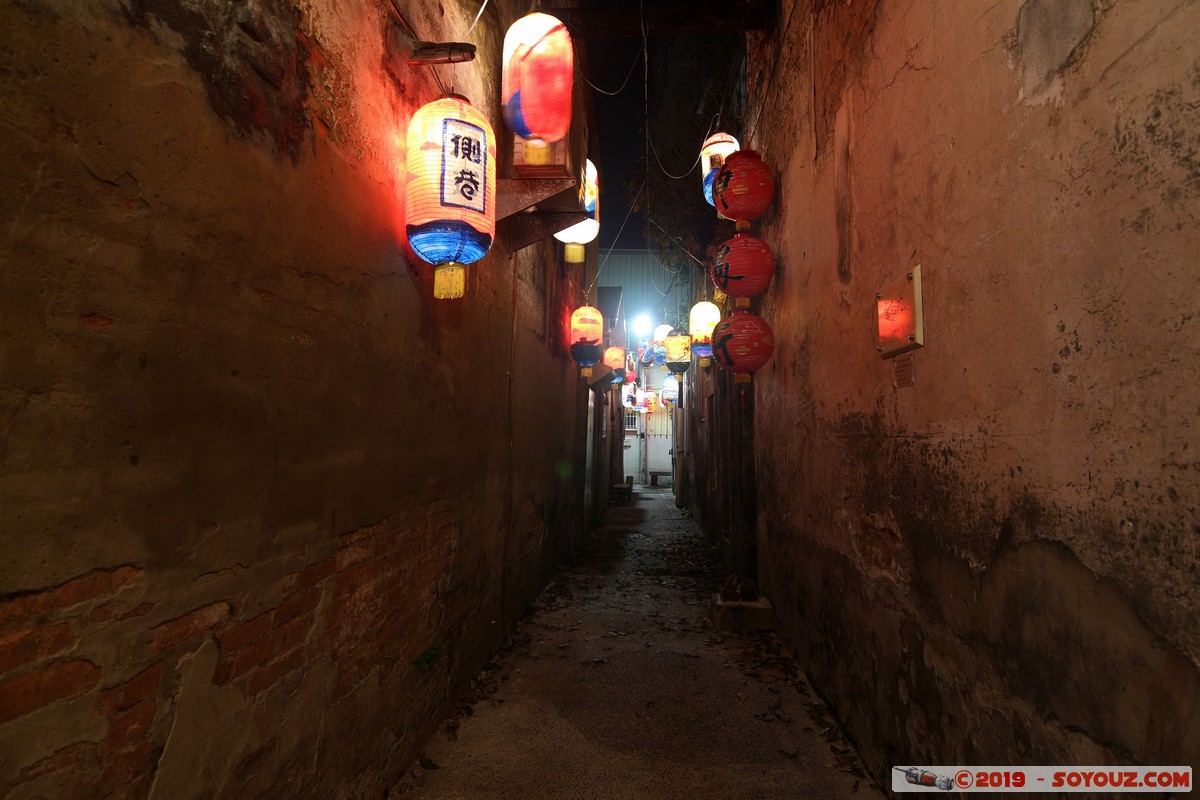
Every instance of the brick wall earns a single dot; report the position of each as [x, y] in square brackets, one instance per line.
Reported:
[267, 504]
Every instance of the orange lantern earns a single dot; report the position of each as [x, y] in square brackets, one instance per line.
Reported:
[614, 358]
[587, 338]
[701, 321]
[713, 153]
[450, 213]
[744, 186]
[742, 343]
[579, 234]
[539, 66]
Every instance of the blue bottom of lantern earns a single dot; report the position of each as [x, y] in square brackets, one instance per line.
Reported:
[702, 350]
[708, 184]
[448, 241]
[514, 116]
[584, 354]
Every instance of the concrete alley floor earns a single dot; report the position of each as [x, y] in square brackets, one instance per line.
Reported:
[617, 686]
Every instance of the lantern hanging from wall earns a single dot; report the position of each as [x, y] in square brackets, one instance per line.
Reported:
[744, 186]
[701, 321]
[646, 352]
[662, 331]
[742, 343]
[539, 66]
[713, 153]
[669, 393]
[614, 358]
[579, 234]
[587, 338]
[742, 267]
[678, 348]
[629, 394]
[450, 209]
[630, 375]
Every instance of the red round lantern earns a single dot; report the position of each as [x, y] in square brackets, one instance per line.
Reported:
[743, 266]
[742, 343]
[744, 186]
[539, 65]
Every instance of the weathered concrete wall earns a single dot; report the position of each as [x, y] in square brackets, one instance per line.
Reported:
[998, 564]
[265, 503]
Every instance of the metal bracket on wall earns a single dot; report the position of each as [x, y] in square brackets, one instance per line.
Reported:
[557, 201]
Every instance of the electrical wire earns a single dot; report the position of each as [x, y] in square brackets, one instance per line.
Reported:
[477, 16]
[624, 83]
[616, 238]
[408, 29]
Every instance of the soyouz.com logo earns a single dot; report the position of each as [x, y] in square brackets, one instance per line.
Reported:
[1042, 779]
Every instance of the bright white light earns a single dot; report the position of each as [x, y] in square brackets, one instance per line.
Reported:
[662, 332]
[642, 325]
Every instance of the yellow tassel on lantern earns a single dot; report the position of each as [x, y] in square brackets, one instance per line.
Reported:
[449, 281]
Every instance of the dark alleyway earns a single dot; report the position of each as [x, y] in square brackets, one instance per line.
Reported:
[618, 686]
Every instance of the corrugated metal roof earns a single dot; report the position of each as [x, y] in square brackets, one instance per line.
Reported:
[647, 286]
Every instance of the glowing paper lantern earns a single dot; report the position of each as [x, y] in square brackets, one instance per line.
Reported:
[701, 321]
[744, 186]
[539, 65]
[678, 349]
[450, 213]
[614, 358]
[579, 234]
[661, 332]
[669, 393]
[742, 343]
[743, 267]
[713, 153]
[587, 337]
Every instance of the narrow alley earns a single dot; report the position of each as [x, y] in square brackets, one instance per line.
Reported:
[618, 685]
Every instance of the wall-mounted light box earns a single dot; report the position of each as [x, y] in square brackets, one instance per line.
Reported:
[898, 315]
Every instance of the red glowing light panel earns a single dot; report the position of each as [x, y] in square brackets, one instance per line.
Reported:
[898, 314]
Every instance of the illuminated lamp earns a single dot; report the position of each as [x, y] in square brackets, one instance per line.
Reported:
[587, 337]
[744, 186]
[579, 234]
[669, 393]
[659, 354]
[646, 352]
[678, 348]
[450, 209]
[701, 321]
[630, 375]
[713, 153]
[628, 394]
[662, 331]
[742, 267]
[651, 402]
[539, 65]
[614, 358]
[742, 343]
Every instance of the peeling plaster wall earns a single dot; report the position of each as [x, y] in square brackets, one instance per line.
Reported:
[266, 504]
[999, 564]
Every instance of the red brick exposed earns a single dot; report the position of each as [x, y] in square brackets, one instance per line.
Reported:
[267, 676]
[70, 756]
[26, 646]
[309, 576]
[19, 610]
[129, 728]
[177, 630]
[30, 691]
[131, 692]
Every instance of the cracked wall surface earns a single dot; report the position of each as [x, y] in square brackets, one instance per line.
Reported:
[263, 513]
[998, 564]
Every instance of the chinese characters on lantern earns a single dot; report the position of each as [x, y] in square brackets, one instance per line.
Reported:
[463, 165]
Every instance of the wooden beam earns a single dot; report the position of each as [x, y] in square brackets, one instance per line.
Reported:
[701, 16]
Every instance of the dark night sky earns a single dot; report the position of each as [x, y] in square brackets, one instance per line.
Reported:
[619, 120]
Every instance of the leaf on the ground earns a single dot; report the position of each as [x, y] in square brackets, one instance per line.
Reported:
[426, 762]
